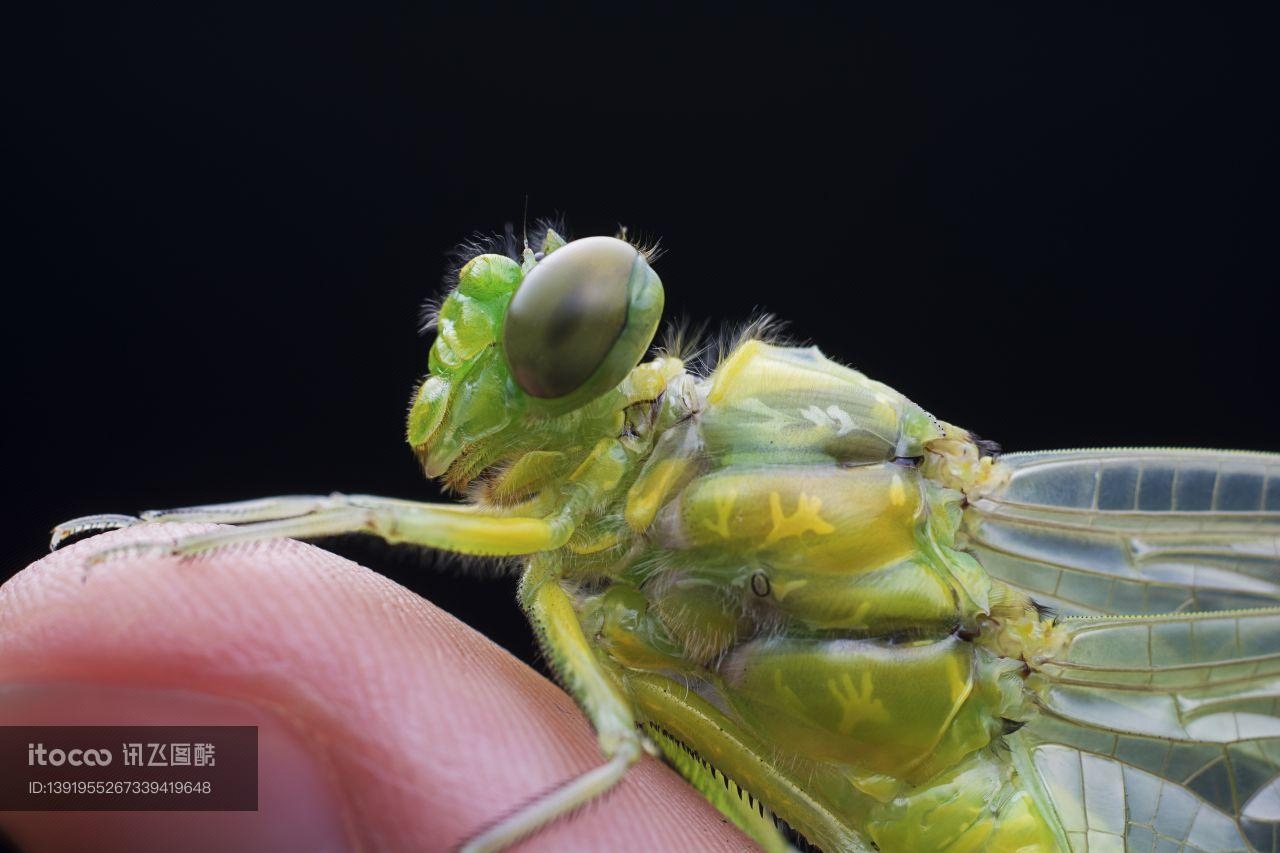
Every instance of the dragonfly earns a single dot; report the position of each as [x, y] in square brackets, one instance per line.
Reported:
[844, 621]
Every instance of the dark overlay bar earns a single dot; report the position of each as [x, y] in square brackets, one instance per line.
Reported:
[128, 768]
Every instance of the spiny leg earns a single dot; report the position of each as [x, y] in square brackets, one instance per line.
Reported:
[240, 512]
[806, 799]
[570, 654]
[463, 529]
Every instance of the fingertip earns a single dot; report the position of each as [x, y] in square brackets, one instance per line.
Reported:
[427, 730]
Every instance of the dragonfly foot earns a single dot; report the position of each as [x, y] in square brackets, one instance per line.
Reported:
[77, 527]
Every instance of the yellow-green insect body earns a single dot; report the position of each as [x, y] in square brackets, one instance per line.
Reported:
[768, 536]
[794, 582]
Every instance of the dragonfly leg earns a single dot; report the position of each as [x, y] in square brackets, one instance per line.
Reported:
[240, 512]
[571, 655]
[89, 524]
[814, 798]
[451, 527]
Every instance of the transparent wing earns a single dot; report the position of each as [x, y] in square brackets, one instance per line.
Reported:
[1161, 732]
[1135, 531]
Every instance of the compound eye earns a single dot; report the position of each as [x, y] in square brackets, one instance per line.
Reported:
[567, 315]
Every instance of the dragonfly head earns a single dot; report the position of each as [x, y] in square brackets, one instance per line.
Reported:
[526, 347]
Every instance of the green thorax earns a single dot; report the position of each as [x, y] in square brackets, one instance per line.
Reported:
[776, 537]
[779, 469]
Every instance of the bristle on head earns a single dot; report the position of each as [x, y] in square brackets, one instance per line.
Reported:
[650, 247]
[686, 340]
[482, 243]
[556, 223]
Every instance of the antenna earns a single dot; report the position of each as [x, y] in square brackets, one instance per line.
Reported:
[525, 224]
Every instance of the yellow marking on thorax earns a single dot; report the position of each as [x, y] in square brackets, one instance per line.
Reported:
[859, 617]
[724, 506]
[804, 519]
[856, 704]
[781, 589]
[834, 416]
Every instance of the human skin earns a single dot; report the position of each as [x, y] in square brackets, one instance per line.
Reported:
[384, 723]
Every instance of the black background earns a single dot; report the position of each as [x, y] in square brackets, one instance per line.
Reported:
[1057, 229]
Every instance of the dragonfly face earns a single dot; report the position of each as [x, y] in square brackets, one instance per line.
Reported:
[520, 344]
[789, 575]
